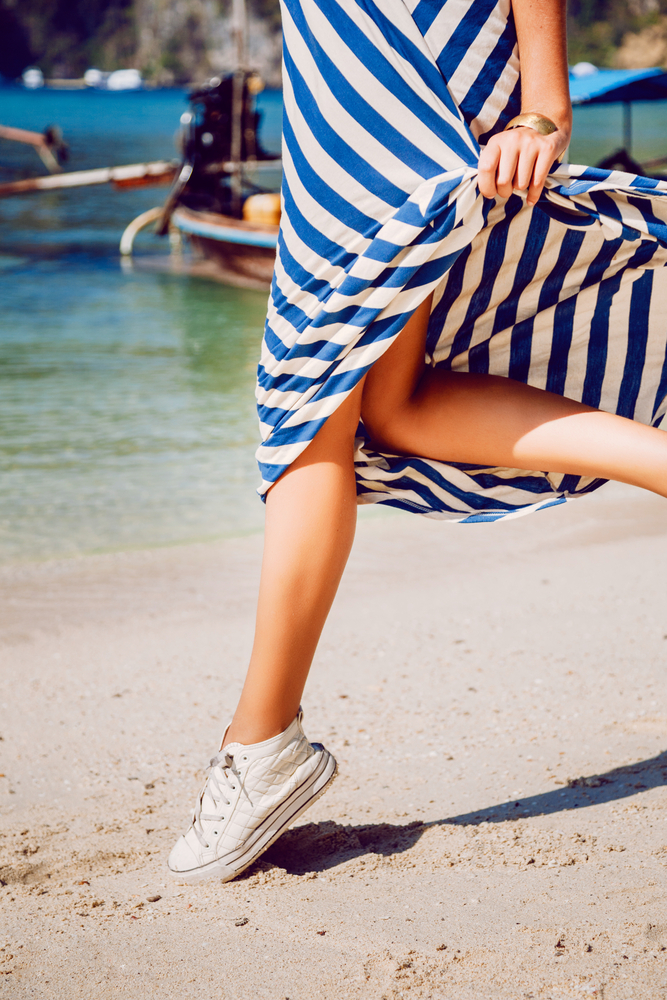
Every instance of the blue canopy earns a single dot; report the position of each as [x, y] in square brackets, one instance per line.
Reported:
[607, 86]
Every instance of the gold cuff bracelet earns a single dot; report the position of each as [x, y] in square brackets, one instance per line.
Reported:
[531, 119]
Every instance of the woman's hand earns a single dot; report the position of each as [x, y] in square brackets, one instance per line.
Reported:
[519, 160]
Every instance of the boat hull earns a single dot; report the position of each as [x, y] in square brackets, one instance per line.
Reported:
[242, 253]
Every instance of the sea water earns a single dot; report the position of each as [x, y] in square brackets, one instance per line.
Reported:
[127, 412]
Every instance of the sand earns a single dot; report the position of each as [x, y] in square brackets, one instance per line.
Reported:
[495, 697]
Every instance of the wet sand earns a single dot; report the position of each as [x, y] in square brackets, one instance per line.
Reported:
[495, 696]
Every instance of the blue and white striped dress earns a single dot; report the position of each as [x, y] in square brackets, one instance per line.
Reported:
[386, 105]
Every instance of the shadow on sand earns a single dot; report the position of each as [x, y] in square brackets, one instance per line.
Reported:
[316, 847]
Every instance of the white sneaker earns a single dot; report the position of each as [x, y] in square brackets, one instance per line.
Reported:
[251, 795]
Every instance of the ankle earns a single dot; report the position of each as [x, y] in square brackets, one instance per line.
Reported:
[250, 731]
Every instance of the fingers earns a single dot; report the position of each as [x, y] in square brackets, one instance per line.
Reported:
[524, 175]
[488, 165]
[540, 173]
[507, 168]
[518, 160]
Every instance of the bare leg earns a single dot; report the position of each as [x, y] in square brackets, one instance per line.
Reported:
[310, 520]
[411, 409]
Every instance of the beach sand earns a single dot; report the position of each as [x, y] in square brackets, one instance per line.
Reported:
[495, 697]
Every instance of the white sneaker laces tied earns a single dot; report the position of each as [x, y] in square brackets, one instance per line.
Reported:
[220, 782]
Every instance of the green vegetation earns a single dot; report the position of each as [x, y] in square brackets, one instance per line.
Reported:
[597, 28]
[168, 40]
[176, 40]
[65, 37]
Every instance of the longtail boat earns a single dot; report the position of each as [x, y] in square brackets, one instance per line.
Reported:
[220, 200]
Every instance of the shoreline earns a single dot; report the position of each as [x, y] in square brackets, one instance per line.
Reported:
[15, 567]
[463, 670]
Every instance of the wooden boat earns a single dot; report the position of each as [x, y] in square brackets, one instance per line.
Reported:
[244, 252]
[218, 201]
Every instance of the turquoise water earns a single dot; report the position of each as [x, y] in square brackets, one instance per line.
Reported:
[126, 399]
[598, 131]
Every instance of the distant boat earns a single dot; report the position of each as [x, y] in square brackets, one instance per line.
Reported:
[119, 79]
[33, 78]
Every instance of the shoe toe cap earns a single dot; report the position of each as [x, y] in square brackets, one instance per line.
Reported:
[182, 857]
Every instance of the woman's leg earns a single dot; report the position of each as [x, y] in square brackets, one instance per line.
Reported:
[412, 409]
[408, 408]
[310, 520]
[254, 791]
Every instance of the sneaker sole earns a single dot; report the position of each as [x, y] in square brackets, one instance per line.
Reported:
[268, 832]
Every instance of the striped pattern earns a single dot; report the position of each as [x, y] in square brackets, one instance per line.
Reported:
[385, 107]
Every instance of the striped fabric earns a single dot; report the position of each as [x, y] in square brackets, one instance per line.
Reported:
[385, 108]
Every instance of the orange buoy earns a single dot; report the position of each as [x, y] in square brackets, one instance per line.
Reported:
[263, 209]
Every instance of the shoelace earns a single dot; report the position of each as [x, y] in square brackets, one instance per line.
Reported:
[214, 788]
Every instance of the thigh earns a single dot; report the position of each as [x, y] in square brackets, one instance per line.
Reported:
[394, 378]
[334, 442]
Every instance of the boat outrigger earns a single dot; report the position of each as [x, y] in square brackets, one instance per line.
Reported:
[49, 144]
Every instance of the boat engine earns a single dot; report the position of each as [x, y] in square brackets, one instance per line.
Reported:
[206, 141]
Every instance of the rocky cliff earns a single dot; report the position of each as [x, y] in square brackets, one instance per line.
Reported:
[189, 40]
[186, 41]
[628, 34]
[170, 41]
[647, 47]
